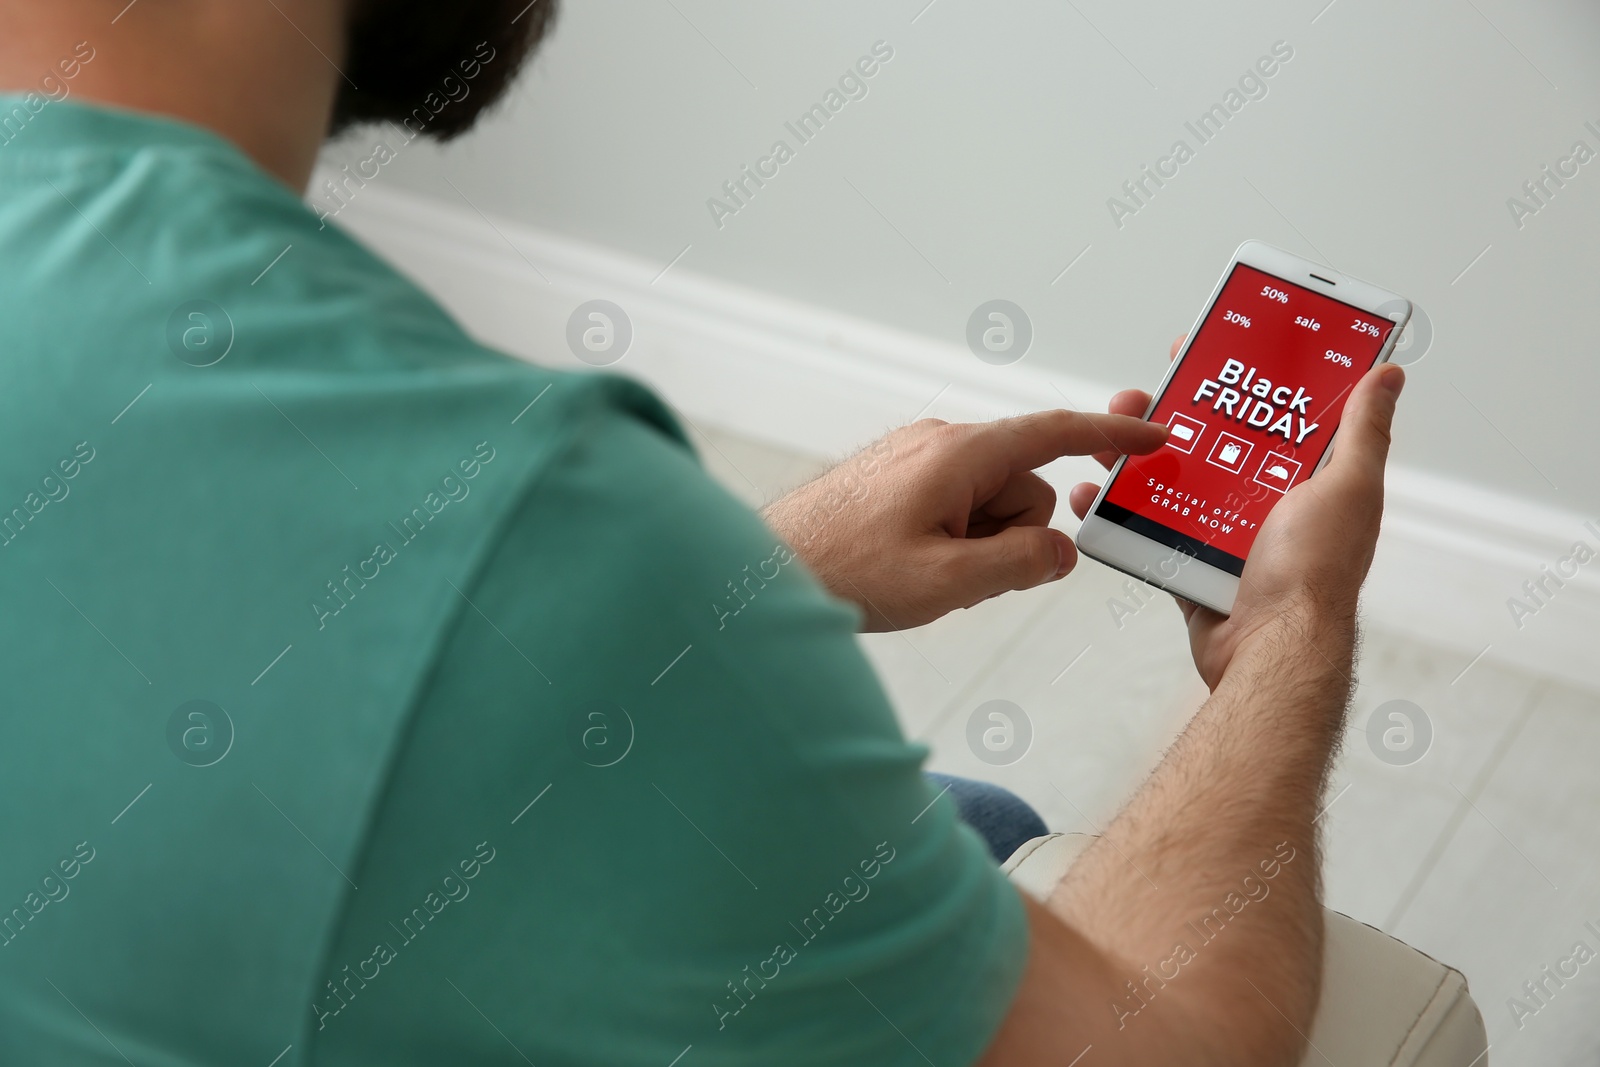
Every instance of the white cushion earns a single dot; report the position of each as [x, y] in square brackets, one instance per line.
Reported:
[1384, 1004]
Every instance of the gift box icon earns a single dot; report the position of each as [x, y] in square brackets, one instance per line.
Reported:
[1230, 453]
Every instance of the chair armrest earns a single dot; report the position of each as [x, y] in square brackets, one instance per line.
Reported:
[1384, 1004]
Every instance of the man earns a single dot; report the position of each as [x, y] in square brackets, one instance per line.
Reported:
[365, 705]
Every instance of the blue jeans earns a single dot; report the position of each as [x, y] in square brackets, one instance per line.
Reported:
[1004, 820]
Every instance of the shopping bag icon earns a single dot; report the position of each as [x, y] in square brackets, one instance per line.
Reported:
[1229, 453]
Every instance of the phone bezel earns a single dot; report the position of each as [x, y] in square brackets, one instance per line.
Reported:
[1148, 560]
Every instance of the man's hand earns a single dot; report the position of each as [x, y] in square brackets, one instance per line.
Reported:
[1314, 548]
[939, 516]
[1130, 955]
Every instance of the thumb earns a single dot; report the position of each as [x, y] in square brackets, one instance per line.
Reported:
[1019, 557]
[1362, 447]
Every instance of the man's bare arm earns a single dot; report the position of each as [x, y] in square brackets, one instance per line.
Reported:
[1199, 904]
[1191, 932]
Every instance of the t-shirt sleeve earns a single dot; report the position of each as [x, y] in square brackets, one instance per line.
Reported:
[709, 837]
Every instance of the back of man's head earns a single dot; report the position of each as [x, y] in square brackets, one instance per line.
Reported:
[440, 65]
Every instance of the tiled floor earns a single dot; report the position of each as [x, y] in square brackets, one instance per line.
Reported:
[1485, 852]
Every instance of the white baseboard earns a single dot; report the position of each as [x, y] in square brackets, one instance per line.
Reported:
[814, 381]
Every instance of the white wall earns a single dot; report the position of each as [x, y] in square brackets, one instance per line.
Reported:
[992, 140]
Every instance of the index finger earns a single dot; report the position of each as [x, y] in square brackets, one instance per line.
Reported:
[1027, 442]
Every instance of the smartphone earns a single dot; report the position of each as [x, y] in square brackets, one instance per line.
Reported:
[1252, 402]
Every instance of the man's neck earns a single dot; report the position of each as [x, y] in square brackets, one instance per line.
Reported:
[261, 73]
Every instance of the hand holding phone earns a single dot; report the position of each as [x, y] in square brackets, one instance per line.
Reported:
[1313, 551]
[1252, 402]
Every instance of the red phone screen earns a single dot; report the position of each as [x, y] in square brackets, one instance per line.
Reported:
[1251, 408]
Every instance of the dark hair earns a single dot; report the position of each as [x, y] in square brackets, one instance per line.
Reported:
[435, 65]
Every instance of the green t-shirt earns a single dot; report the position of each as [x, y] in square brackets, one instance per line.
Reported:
[374, 698]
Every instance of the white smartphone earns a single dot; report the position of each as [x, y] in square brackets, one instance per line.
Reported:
[1252, 402]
